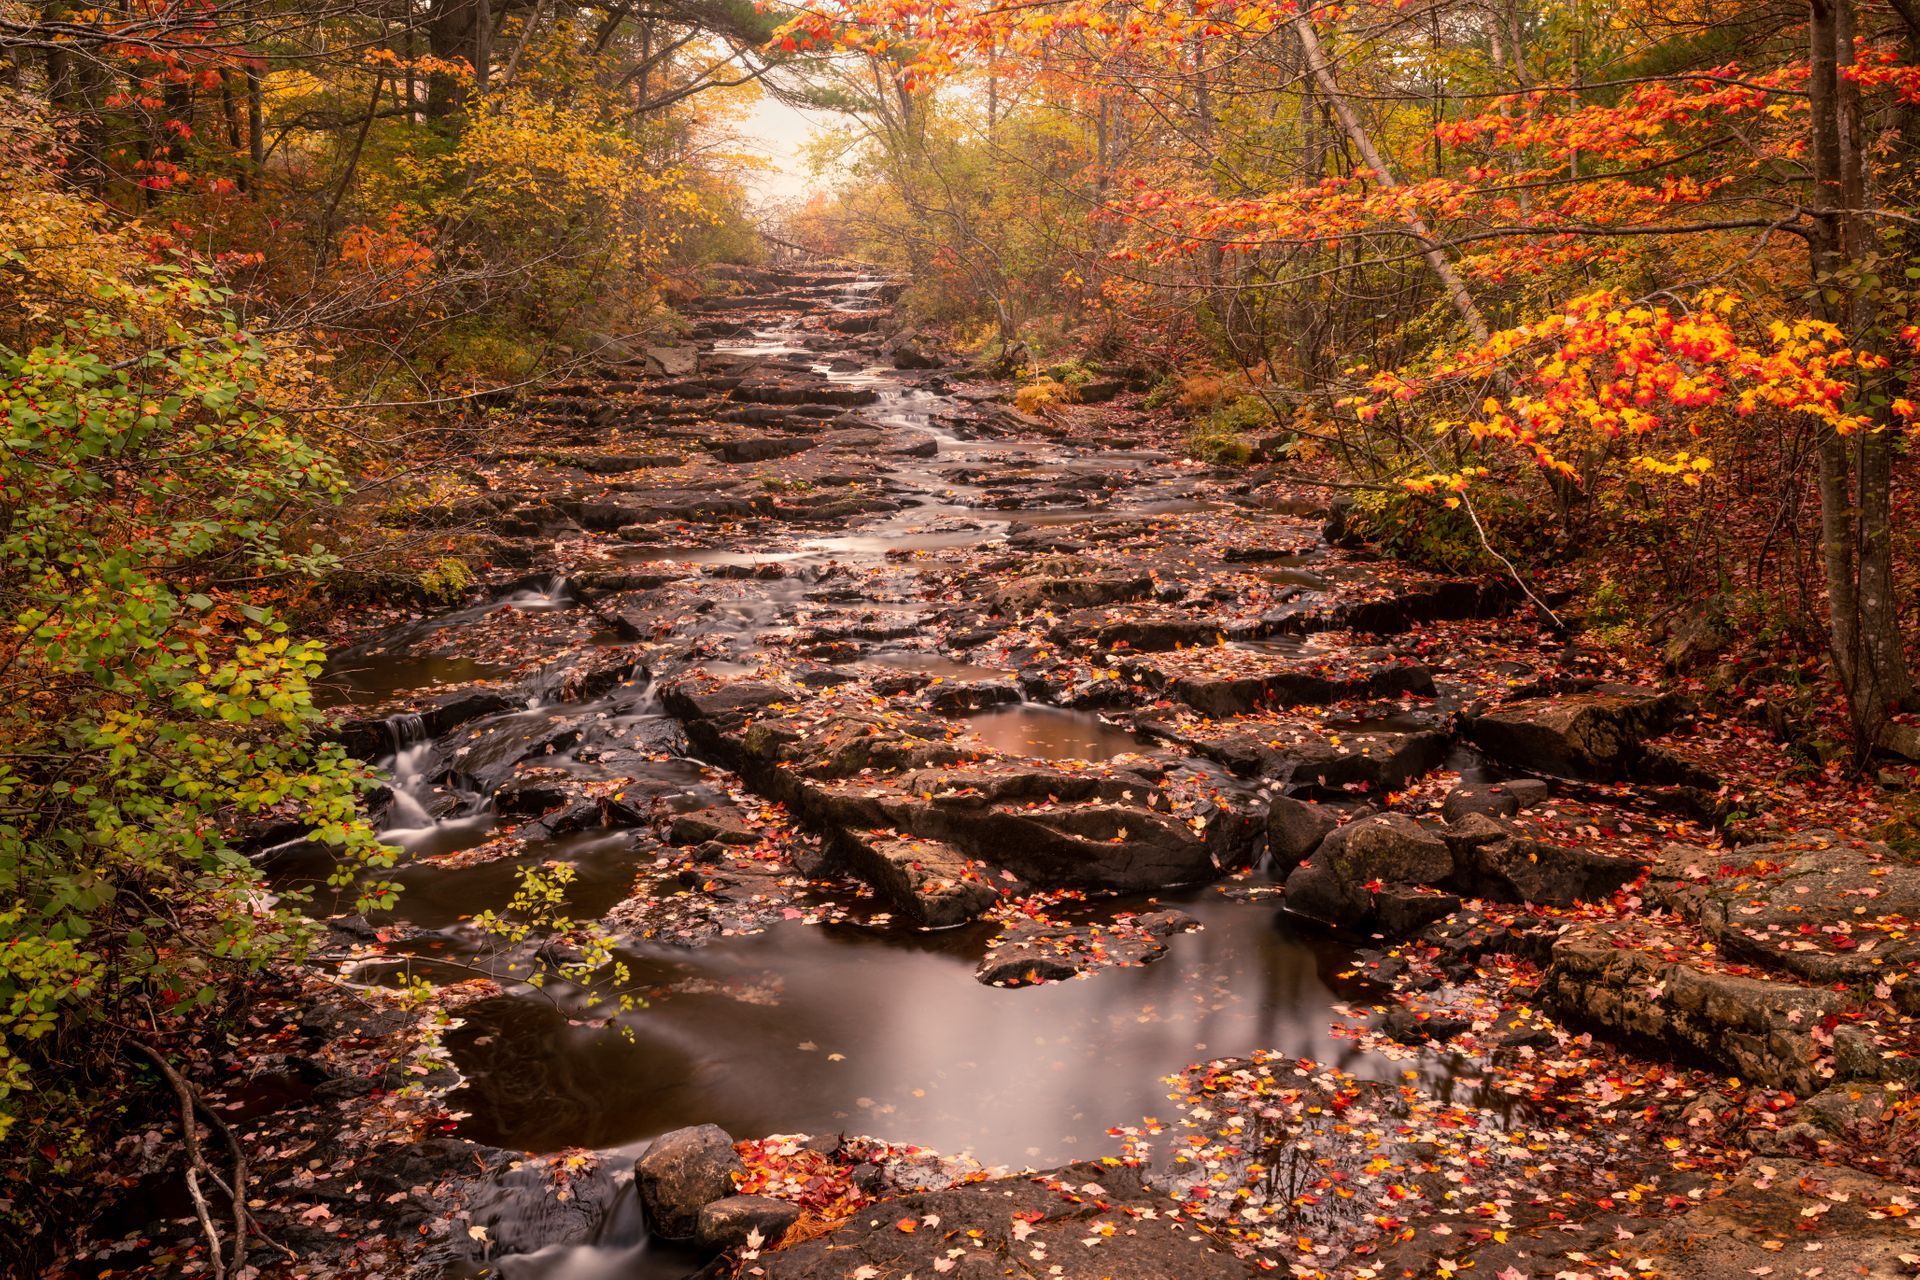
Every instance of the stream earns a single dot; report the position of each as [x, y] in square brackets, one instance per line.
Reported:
[802, 1004]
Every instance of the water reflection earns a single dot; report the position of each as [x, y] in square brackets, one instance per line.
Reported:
[1050, 733]
[842, 1029]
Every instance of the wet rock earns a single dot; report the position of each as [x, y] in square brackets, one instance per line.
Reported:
[1074, 591]
[702, 825]
[806, 393]
[369, 737]
[974, 695]
[1598, 735]
[1495, 800]
[1030, 952]
[683, 1172]
[1058, 1210]
[1340, 883]
[1493, 860]
[1295, 829]
[728, 701]
[530, 797]
[1646, 986]
[1400, 910]
[759, 448]
[674, 362]
[934, 884]
[911, 354]
[744, 1222]
[535, 1203]
[1391, 847]
[1144, 629]
[1408, 1026]
[1312, 761]
[1234, 682]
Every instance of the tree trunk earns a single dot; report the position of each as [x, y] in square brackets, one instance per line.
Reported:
[1855, 473]
[1436, 257]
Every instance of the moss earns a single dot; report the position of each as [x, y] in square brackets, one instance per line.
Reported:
[1222, 446]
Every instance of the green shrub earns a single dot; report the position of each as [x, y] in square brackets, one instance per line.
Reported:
[446, 579]
[1162, 395]
[1222, 446]
[1418, 529]
[160, 703]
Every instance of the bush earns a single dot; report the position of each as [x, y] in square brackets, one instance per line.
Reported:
[1165, 392]
[162, 706]
[1202, 392]
[1037, 397]
[1211, 442]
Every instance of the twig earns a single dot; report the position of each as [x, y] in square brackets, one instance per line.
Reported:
[190, 1101]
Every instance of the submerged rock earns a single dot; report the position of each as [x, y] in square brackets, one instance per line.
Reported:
[1036, 951]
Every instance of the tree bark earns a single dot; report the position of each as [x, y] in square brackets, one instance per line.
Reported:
[1856, 472]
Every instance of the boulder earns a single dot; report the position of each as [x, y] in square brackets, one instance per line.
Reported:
[1599, 735]
[1496, 800]
[744, 1222]
[1493, 860]
[531, 1203]
[1342, 883]
[1390, 847]
[674, 362]
[912, 354]
[1295, 829]
[682, 1173]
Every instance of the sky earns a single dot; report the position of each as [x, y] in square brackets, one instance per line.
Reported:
[780, 133]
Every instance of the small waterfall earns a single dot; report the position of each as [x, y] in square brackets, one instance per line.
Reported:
[551, 595]
[407, 729]
[413, 754]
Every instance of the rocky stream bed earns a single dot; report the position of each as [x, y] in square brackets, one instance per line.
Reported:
[1198, 894]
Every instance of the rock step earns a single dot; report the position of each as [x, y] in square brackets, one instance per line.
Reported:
[1642, 983]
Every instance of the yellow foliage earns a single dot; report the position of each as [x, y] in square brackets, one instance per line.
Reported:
[1037, 397]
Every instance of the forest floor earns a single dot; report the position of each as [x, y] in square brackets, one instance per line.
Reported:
[968, 780]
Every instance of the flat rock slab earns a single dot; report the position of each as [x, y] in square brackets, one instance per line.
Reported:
[1819, 905]
[1306, 757]
[1780, 1218]
[1221, 681]
[1084, 1222]
[1031, 952]
[849, 768]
